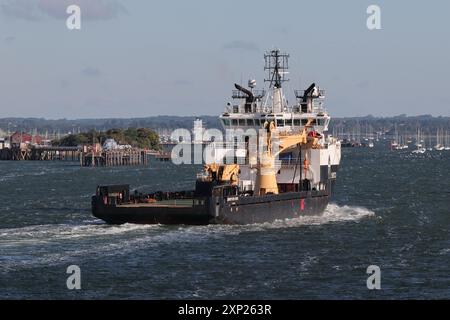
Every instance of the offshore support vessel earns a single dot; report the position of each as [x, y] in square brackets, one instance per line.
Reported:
[292, 172]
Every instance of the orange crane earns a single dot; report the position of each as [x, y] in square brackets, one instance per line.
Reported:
[266, 181]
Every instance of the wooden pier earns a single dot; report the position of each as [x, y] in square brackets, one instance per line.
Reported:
[42, 153]
[112, 158]
[86, 156]
[39, 153]
[163, 156]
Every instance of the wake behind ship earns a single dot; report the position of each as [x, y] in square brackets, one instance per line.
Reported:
[288, 170]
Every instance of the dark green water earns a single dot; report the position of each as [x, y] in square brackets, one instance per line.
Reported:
[391, 209]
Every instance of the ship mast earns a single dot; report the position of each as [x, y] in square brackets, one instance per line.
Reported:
[277, 65]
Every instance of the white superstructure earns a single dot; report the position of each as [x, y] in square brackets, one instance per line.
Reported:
[253, 108]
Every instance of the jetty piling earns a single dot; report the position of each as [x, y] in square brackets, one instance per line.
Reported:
[113, 158]
[86, 156]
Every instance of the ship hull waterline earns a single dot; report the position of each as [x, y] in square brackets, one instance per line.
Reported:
[265, 209]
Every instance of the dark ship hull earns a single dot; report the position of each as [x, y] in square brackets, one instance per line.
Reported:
[220, 206]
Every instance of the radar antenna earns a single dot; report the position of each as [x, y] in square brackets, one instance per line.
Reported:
[277, 64]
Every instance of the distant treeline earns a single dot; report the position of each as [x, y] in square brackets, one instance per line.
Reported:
[64, 126]
[141, 138]
[405, 124]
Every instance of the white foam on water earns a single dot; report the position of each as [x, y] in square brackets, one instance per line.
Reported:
[9, 176]
[22, 174]
[34, 234]
[42, 245]
[333, 213]
[336, 213]
[49, 232]
[22, 255]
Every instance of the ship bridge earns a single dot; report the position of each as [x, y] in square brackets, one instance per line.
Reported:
[245, 114]
[252, 107]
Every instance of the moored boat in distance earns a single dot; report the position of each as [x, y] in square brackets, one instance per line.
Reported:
[439, 140]
[447, 141]
[419, 143]
[288, 170]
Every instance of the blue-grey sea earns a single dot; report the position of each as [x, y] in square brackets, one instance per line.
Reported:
[390, 209]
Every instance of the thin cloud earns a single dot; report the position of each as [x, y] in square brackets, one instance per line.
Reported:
[64, 84]
[91, 72]
[10, 39]
[241, 45]
[34, 10]
[282, 30]
[363, 84]
[182, 82]
[91, 10]
[20, 9]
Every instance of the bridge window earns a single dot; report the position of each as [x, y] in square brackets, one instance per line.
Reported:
[280, 122]
[226, 122]
[297, 122]
[288, 122]
[242, 122]
[234, 122]
[250, 122]
[304, 122]
[257, 123]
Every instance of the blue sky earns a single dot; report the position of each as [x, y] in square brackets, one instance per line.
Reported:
[141, 58]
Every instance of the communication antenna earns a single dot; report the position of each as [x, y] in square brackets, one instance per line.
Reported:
[277, 64]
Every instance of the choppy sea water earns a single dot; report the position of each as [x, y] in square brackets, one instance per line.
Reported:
[390, 209]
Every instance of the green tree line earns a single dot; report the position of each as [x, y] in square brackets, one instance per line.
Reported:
[136, 137]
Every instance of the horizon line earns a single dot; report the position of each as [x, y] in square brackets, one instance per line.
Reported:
[206, 115]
